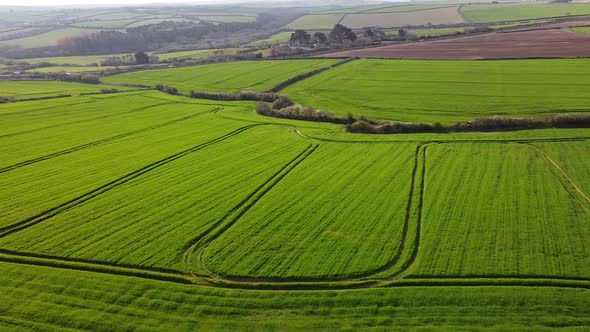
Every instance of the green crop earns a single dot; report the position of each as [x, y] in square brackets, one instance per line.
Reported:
[447, 91]
[225, 77]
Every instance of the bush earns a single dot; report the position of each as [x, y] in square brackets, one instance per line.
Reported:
[570, 121]
[167, 89]
[106, 91]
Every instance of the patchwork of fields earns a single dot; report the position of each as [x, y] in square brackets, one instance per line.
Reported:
[144, 210]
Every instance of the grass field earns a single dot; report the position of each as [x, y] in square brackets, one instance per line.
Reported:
[277, 38]
[446, 15]
[406, 8]
[63, 299]
[433, 32]
[230, 77]
[514, 12]
[23, 90]
[104, 24]
[227, 18]
[318, 22]
[74, 60]
[454, 90]
[155, 21]
[196, 54]
[511, 193]
[581, 30]
[203, 186]
[74, 69]
[141, 210]
[49, 38]
[315, 224]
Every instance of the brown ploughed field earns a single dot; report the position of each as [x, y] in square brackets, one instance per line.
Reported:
[554, 43]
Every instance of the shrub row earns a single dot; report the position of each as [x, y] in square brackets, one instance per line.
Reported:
[484, 124]
[298, 112]
[242, 95]
[303, 76]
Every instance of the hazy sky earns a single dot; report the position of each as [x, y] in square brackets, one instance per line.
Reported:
[92, 2]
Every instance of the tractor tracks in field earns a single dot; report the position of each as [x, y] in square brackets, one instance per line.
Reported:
[193, 256]
[577, 191]
[194, 271]
[48, 214]
[102, 141]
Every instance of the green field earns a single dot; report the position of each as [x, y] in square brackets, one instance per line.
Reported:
[64, 299]
[514, 12]
[74, 60]
[24, 90]
[141, 210]
[136, 24]
[335, 236]
[277, 38]
[196, 54]
[511, 193]
[317, 21]
[433, 32]
[405, 8]
[229, 77]
[104, 24]
[227, 18]
[453, 91]
[74, 69]
[581, 30]
[50, 38]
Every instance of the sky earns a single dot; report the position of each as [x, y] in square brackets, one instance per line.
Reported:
[47, 3]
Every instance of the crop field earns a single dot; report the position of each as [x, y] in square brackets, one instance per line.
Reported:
[585, 30]
[58, 297]
[316, 21]
[234, 76]
[74, 69]
[455, 90]
[196, 54]
[227, 18]
[434, 32]
[49, 38]
[328, 230]
[83, 60]
[142, 210]
[406, 8]
[463, 219]
[533, 44]
[140, 23]
[515, 12]
[23, 90]
[277, 38]
[104, 24]
[447, 15]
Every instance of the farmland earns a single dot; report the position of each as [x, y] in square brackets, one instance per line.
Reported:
[24, 90]
[455, 91]
[464, 227]
[447, 15]
[49, 38]
[551, 43]
[253, 76]
[316, 21]
[420, 188]
[327, 243]
[515, 12]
